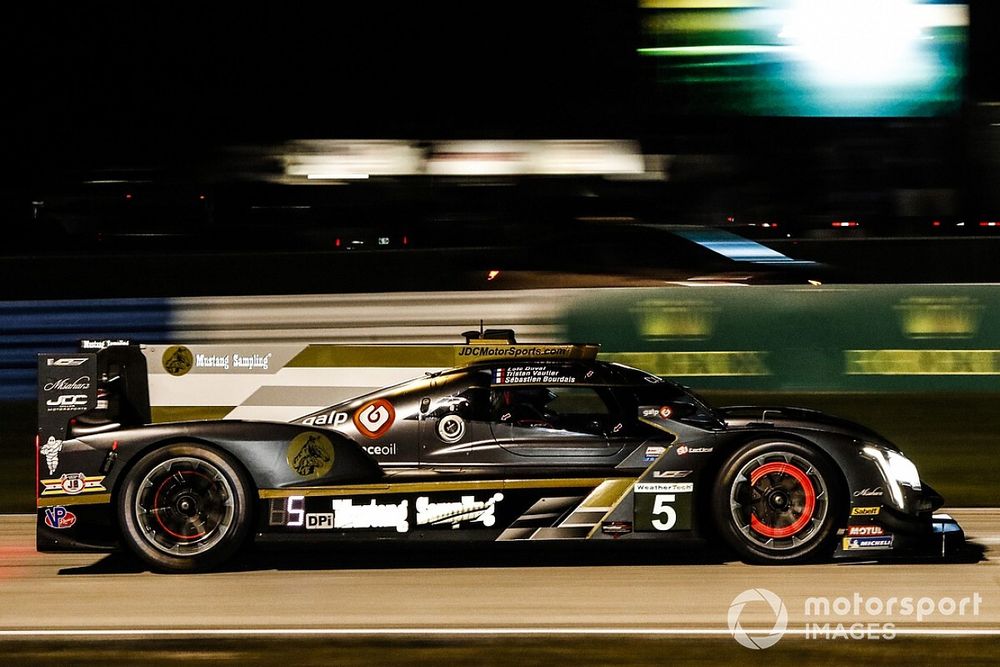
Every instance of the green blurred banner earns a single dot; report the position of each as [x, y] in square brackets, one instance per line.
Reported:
[809, 338]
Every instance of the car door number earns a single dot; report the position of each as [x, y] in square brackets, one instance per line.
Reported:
[664, 515]
[661, 512]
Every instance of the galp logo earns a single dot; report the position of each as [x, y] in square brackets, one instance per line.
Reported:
[374, 418]
[757, 639]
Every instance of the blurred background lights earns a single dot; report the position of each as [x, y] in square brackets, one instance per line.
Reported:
[857, 42]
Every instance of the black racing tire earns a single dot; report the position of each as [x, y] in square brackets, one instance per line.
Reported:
[185, 508]
[778, 502]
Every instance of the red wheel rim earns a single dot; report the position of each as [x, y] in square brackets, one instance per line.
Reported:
[807, 511]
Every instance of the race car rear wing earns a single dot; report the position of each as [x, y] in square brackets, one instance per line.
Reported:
[91, 392]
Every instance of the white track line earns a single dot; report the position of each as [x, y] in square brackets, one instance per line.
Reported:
[363, 632]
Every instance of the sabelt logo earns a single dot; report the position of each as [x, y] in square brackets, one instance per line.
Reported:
[865, 511]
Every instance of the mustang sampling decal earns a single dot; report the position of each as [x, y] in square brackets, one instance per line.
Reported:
[469, 509]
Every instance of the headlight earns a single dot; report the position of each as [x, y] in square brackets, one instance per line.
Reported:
[903, 470]
[896, 470]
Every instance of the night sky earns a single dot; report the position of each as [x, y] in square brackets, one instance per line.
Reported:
[101, 85]
[177, 75]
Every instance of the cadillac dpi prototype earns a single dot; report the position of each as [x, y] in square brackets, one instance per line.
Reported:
[519, 443]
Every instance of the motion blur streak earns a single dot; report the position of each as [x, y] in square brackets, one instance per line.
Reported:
[320, 160]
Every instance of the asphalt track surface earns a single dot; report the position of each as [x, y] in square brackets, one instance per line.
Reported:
[453, 591]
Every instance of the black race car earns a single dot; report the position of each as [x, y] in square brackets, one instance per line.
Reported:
[527, 443]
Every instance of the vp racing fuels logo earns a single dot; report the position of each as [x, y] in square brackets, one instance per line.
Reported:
[757, 639]
[59, 518]
[177, 360]
[310, 455]
[374, 418]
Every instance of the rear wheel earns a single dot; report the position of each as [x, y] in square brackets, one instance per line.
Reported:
[184, 508]
[778, 502]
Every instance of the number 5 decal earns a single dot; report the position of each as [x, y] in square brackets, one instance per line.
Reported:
[661, 508]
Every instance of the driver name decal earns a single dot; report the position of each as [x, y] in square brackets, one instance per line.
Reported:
[532, 375]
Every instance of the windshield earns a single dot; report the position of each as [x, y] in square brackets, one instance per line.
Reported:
[686, 406]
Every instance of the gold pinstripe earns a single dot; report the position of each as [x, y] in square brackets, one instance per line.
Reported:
[429, 487]
[93, 499]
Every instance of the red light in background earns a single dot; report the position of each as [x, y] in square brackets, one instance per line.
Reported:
[845, 223]
[128, 195]
[114, 446]
[730, 219]
[336, 243]
[406, 240]
[936, 223]
[988, 223]
[201, 197]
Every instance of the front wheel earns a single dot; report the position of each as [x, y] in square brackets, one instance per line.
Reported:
[778, 502]
[184, 508]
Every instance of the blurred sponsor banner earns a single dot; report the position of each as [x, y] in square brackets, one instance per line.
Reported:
[823, 338]
[815, 338]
